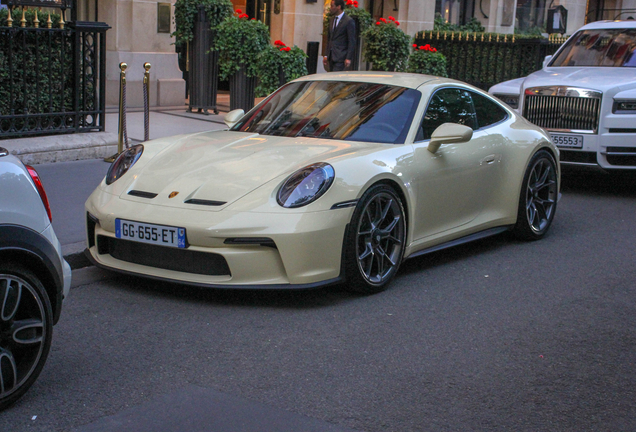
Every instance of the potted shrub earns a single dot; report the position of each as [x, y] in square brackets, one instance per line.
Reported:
[426, 60]
[279, 64]
[386, 46]
[185, 12]
[363, 20]
[195, 23]
[240, 41]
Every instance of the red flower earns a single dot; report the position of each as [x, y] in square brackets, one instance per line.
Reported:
[287, 49]
[421, 48]
[397, 23]
[355, 3]
[349, 2]
[427, 47]
[244, 16]
[434, 50]
[414, 45]
[279, 42]
[238, 11]
[378, 23]
[391, 18]
[383, 20]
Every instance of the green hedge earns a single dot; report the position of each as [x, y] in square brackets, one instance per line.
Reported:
[42, 80]
[485, 59]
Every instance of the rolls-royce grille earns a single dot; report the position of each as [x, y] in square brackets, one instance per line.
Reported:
[163, 257]
[562, 112]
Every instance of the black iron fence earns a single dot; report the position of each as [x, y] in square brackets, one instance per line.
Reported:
[52, 80]
[485, 59]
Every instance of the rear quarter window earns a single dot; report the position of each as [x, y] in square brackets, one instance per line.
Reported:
[488, 112]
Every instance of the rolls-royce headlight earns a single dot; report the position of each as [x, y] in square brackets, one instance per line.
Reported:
[306, 185]
[123, 163]
[624, 107]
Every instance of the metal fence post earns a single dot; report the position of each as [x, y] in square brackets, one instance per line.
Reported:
[147, 67]
[123, 135]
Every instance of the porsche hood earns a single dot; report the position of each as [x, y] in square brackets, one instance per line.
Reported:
[219, 167]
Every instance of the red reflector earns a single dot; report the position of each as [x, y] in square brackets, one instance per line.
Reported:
[40, 188]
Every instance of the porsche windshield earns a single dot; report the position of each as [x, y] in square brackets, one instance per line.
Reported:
[601, 47]
[337, 110]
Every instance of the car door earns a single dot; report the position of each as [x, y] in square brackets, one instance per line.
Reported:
[452, 185]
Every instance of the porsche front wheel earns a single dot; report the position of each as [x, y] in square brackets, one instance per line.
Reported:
[538, 200]
[26, 329]
[375, 240]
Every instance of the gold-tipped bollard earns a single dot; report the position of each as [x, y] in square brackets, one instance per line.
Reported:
[147, 67]
[123, 136]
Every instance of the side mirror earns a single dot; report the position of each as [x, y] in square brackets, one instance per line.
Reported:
[546, 60]
[233, 116]
[449, 133]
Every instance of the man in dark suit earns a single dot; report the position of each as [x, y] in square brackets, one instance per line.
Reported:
[341, 43]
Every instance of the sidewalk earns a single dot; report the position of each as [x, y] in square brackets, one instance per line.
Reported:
[164, 121]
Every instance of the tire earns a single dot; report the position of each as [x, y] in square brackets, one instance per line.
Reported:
[26, 329]
[375, 241]
[538, 198]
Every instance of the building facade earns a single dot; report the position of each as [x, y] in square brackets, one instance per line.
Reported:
[138, 29]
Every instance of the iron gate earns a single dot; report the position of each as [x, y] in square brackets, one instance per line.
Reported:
[52, 80]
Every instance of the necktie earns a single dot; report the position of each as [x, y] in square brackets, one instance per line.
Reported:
[335, 23]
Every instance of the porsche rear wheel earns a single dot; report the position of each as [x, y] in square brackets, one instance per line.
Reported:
[26, 329]
[538, 200]
[375, 240]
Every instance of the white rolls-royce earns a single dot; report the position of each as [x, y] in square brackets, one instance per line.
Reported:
[585, 96]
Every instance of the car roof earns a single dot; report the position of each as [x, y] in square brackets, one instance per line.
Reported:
[619, 24]
[408, 80]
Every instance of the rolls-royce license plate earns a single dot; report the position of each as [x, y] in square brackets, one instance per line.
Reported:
[150, 233]
[569, 141]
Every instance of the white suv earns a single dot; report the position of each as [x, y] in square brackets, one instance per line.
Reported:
[34, 278]
[585, 96]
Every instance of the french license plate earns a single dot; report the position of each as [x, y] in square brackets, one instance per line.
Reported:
[570, 141]
[150, 233]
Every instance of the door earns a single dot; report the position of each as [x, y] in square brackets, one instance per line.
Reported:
[259, 9]
[455, 183]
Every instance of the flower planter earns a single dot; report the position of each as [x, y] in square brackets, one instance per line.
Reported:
[204, 66]
[242, 90]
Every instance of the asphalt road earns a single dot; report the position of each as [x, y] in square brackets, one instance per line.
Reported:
[498, 335]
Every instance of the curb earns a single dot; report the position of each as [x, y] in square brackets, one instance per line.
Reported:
[77, 260]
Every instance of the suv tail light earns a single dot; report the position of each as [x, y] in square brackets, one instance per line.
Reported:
[40, 188]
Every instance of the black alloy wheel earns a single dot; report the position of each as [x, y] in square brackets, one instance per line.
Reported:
[375, 240]
[26, 329]
[538, 200]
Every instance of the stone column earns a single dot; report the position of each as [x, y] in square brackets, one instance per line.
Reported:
[134, 39]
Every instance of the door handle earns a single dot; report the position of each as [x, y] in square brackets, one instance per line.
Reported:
[490, 159]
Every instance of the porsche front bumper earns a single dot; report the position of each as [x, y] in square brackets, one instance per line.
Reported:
[284, 249]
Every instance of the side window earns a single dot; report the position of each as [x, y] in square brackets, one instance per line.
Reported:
[488, 112]
[448, 105]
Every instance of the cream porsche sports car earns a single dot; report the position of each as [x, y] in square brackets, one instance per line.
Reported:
[334, 178]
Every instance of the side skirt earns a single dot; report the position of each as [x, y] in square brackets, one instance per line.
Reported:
[478, 235]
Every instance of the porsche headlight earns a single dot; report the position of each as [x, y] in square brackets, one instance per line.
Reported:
[306, 185]
[123, 163]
